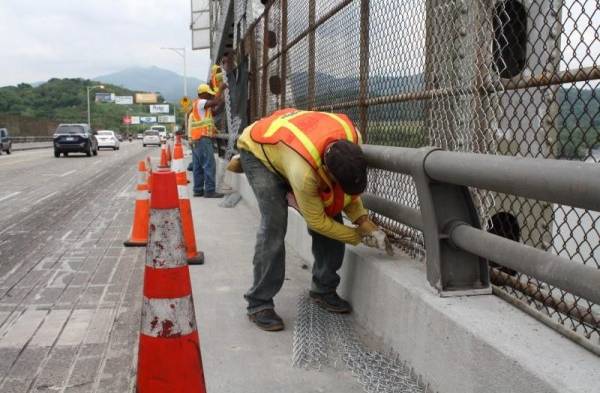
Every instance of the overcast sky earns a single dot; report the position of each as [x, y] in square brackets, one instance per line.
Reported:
[42, 39]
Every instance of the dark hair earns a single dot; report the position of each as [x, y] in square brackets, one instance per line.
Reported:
[346, 162]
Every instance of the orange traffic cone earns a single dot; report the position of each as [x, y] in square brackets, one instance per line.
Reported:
[149, 177]
[169, 358]
[194, 257]
[139, 230]
[164, 157]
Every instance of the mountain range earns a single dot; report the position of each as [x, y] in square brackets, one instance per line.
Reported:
[152, 79]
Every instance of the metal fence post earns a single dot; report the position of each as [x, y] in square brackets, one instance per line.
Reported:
[284, 38]
[312, 18]
[265, 58]
[364, 67]
[451, 271]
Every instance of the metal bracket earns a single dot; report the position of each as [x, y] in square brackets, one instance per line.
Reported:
[451, 271]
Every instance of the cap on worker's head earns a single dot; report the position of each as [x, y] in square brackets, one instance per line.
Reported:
[346, 162]
[204, 88]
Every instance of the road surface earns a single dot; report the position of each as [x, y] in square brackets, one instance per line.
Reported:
[69, 291]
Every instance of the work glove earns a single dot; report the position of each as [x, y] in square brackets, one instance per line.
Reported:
[235, 164]
[372, 236]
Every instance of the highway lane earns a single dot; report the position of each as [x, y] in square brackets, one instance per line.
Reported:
[69, 290]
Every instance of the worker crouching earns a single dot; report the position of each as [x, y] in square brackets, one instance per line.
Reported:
[313, 159]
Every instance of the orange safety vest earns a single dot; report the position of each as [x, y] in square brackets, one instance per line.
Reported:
[201, 121]
[308, 134]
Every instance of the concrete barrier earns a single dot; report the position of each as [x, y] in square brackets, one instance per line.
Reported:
[460, 344]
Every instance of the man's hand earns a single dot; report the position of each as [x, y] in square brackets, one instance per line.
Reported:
[373, 236]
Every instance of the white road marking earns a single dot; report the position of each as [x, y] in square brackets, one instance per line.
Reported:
[68, 173]
[18, 334]
[75, 330]
[51, 328]
[100, 327]
[66, 235]
[46, 197]
[9, 196]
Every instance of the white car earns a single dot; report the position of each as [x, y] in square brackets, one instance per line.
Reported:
[139, 136]
[162, 132]
[108, 139]
[151, 137]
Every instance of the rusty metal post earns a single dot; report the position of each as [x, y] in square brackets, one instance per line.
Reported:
[265, 67]
[312, 18]
[253, 75]
[284, 37]
[364, 68]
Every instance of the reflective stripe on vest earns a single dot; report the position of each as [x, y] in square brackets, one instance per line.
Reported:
[309, 133]
[201, 121]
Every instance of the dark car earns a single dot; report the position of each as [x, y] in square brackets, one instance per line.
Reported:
[5, 141]
[75, 138]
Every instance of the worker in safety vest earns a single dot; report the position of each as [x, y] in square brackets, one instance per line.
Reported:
[201, 130]
[313, 161]
[216, 79]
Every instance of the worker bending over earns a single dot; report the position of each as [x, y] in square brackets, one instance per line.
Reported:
[316, 156]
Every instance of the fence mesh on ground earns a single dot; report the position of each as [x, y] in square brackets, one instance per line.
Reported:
[488, 76]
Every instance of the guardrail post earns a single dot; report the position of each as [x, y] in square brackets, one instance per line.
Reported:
[451, 271]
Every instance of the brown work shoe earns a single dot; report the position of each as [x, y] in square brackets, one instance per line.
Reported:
[267, 320]
[331, 302]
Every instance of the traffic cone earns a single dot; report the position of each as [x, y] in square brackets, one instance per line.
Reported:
[169, 358]
[164, 158]
[139, 230]
[149, 177]
[194, 257]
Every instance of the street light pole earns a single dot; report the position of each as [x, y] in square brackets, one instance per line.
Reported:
[88, 88]
[181, 52]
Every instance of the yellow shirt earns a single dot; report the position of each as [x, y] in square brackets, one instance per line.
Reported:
[304, 182]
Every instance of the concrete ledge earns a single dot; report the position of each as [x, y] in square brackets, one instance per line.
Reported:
[462, 344]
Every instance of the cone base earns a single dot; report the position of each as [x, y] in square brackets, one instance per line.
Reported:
[135, 243]
[198, 259]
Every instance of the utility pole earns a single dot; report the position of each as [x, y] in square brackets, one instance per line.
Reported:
[181, 52]
[88, 88]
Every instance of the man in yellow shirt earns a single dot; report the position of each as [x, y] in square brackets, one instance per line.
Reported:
[316, 157]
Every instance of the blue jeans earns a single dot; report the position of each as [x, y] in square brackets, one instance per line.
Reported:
[203, 161]
[270, 190]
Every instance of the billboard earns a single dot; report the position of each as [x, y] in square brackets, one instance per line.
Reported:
[147, 119]
[126, 119]
[105, 97]
[162, 108]
[166, 119]
[200, 25]
[124, 100]
[146, 98]
[135, 120]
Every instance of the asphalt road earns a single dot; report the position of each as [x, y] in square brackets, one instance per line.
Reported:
[69, 291]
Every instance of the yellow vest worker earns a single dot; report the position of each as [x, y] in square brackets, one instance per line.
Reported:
[317, 157]
[201, 128]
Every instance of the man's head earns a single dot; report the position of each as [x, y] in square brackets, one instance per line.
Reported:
[347, 164]
[227, 61]
[205, 92]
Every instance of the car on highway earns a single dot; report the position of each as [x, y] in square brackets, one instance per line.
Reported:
[75, 138]
[162, 132]
[108, 139]
[120, 137]
[151, 137]
[5, 141]
[140, 136]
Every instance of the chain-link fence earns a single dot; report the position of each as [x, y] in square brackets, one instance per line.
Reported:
[488, 76]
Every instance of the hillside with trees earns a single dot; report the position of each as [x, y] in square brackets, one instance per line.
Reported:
[64, 101]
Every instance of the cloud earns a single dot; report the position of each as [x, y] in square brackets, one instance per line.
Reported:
[70, 38]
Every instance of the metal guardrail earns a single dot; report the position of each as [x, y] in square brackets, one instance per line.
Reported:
[458, 250]
[31, 139]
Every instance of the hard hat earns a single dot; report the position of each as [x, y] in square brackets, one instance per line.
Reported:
[204, 88]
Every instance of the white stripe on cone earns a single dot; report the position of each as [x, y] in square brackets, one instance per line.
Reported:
[166, 248]
[168, 317]
[142, 195]
[183, 192]
[178, 165]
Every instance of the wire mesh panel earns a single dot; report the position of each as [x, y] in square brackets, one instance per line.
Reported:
[502, 77]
